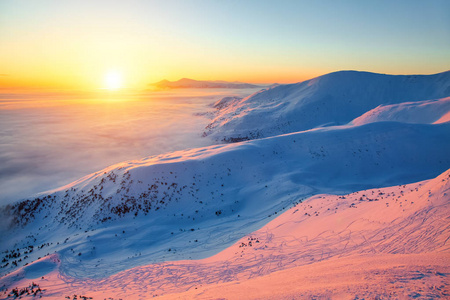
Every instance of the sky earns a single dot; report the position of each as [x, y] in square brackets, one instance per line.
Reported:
[60, 44]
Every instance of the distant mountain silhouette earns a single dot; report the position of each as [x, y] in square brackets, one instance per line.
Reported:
[186, 83]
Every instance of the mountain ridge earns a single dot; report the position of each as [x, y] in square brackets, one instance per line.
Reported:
[331, 99]
[177, 198]
[186, 83]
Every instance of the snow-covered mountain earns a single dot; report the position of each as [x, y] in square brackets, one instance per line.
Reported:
[186, 83]
[332, 99]
[255, 211]
[195, 203]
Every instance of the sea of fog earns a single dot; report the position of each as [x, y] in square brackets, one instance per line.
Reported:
[51, 139]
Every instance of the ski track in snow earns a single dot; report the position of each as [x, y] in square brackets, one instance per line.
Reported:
[423, 230]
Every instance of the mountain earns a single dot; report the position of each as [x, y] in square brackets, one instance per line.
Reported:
[390, 242]
[327, 211]
[332, 99]
[383, 242]
[187, 83]
[192, 204]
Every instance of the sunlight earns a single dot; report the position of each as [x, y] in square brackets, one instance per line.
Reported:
[113, 80]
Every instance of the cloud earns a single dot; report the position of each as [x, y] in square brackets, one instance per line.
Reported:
[42, 148]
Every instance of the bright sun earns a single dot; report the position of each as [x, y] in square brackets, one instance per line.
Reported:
[113, 80]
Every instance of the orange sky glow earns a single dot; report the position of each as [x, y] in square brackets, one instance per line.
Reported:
[73, 45]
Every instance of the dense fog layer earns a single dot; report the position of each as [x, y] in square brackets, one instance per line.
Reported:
[48, 140]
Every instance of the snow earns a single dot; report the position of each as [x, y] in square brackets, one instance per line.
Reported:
[39, 269]
[426, 112]
[332, 99]
[199, 201]
[380, 242]
[353, 210]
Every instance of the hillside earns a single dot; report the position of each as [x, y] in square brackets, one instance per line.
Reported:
[389, 242]
[192, 204]
[332, 99]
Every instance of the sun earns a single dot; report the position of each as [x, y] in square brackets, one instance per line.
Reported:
[113, 80]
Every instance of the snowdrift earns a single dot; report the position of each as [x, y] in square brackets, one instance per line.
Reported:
[332, 99]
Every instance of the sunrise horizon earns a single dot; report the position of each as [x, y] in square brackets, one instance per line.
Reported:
[56, 45]
[103, 87]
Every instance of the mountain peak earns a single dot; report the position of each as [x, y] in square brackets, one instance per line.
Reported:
[331, 99]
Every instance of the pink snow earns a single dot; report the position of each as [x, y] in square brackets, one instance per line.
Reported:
[388, 242]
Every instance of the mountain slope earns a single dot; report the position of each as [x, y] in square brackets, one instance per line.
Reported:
[332, 232]
[192, 204]
[388, 242]
[332, 99]
[426, 112]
